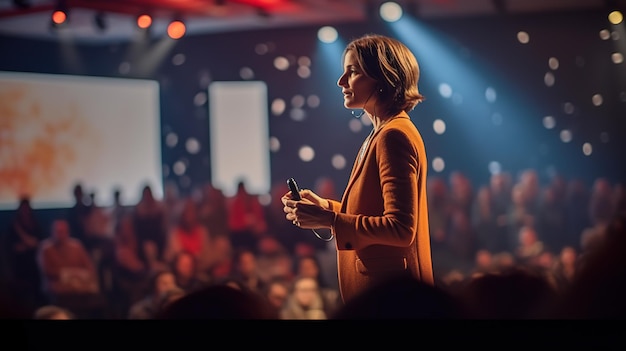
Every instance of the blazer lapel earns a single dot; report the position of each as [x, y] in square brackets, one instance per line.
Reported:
[358, 163]
[357, 167]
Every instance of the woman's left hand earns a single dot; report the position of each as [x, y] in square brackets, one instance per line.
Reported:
[309, 212]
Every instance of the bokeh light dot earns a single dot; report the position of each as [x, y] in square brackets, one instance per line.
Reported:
[327, 34]
[553, 63]
[274, 144]
[523, 37]
[297, 101]
[439, 126]
[278, 107]
[494, 167]
[587, 149]
[597, 100]
[304, 72]
[355, 125]
[445, 90]
[171, 139]
[338, 161]
[617, 58]
[548, 79]
[306, 153]
[549, 122]
[281, 63]
[261, 49]
[490, 94]
[192, 145]
[438, 164]
[566, 136]
[178, 59]
[297, 114]
[313, 101]
[179, 168]
[605, 34]
[390, 11]
[200, 98]
[246, 73]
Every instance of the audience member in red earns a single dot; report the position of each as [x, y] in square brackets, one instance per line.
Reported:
[189, 235]
[246, 218]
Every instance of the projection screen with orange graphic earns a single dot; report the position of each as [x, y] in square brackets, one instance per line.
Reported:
[58, 130]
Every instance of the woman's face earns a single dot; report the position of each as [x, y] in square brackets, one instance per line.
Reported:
[358, 89]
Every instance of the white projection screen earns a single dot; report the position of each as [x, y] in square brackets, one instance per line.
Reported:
[57, 130]
[239, 134]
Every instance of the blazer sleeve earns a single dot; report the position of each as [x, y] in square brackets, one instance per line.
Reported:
[382, 204]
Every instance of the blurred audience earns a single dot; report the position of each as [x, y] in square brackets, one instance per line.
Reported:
[159, 284]
[512, 249]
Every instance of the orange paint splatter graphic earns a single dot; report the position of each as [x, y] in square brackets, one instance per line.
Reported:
[38, 143]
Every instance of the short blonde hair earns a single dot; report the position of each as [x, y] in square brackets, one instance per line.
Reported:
[393, 66]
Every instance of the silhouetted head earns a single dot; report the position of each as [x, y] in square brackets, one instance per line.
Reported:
[53, 312]
[402, 297]
[512, 294]
[219, 302]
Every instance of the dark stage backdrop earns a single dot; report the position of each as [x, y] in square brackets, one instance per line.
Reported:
[504, 93]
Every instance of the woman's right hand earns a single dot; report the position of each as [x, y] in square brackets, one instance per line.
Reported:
[314, 198]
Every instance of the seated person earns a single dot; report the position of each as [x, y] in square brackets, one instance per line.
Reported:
[69, 276]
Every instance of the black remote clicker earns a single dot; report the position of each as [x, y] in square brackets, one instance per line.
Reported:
[295, 191]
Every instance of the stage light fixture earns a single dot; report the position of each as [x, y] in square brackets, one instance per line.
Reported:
[59, 17]
[616, 17]
[144, 21]
[100, 21]
[176, 29]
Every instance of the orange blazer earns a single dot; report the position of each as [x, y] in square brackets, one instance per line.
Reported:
[382, 223]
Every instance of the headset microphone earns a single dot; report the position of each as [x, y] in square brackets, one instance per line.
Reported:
[359, 114]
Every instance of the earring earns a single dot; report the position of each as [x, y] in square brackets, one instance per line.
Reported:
[380, 90]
